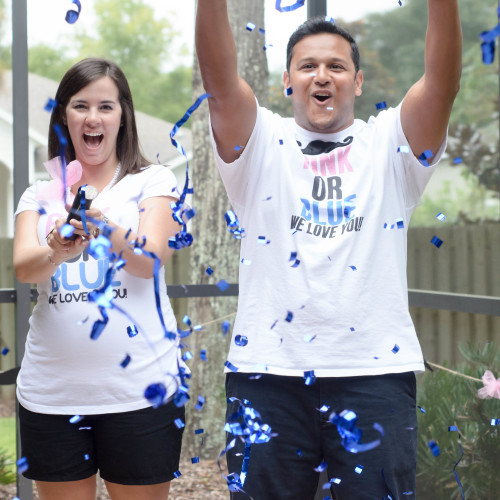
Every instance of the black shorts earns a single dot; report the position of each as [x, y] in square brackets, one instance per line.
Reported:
[133, 448]
[284, 467]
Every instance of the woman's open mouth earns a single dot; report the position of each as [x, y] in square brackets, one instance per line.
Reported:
[93, 139]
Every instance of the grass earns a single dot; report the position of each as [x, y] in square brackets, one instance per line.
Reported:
[8, 444]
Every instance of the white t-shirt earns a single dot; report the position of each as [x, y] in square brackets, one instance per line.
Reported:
[63, 370]
[343, 309]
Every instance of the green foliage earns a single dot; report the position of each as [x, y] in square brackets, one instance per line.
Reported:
[7, 450]
[48, 61]
[461, 206]
[450, 399]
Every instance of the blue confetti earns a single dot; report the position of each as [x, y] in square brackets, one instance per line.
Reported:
[354, 268]
[183, 239]
[454, 428]
[495, 421]
[86, 456]
[72, 15]
[309, 337]
[187, 356]
[299, 452]
[400, 223]
[155, 394]
[179, 423]
[457, 160]
[231, 366]
[352, 329]
[440, 216]
[209, 271]
[289, 8]
[250, 26]
[225, 327]
[421, 409]
[241, 340]
[195, 460]
[487, 49]
[436, 241]
[281, 142]
[350, 434]
[198, 431]
[233, 225]
[50, 105]
[403, 149]
[200, 403]
[5, 350]
[75, 419]
[329, 19]
[381, 105]
[222, 285]
[433, 446]
[22, 465]
[309, 377]
[321, 467]
[177, 474]
[395, 349]
[358, 469]
[203, 354]
[289, 317]
[324, 408]
[67, 231]
[289, 91]
[238, 148]
[126, 361]
[425, 156]
[132, 331]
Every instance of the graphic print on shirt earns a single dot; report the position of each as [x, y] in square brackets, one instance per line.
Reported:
[64, 291]
[328, 211]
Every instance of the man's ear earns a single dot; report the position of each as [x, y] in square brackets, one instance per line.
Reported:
[359, 82]
[286, 82]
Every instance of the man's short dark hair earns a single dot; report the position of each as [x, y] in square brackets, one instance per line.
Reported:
[316, 26]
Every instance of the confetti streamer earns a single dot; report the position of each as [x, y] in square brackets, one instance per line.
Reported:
[181, 215]
[72, 15]
[451, 429]
[289, 8]
[350, 434]
[245, 424]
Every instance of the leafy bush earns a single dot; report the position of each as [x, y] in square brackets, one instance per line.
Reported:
[451, 400]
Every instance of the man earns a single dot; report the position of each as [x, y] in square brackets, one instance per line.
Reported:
[323, 301]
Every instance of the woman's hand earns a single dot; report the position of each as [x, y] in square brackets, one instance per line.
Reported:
[62, 248]
[93, 228]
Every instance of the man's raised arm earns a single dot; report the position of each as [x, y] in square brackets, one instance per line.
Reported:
[232, 103]
[427, 106]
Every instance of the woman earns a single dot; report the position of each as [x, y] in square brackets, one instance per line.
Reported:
[66, 374]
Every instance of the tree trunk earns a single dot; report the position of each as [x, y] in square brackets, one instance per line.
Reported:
[214, 246]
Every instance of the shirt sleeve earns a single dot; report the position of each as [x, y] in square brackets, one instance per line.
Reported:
[28, 201]
[160, 182]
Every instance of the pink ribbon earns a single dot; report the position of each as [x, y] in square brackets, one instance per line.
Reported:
[491, 387]
[53, 190]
